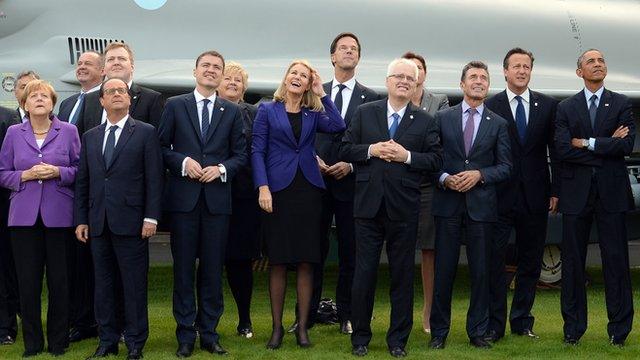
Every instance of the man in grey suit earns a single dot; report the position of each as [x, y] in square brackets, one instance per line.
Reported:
[423, 98]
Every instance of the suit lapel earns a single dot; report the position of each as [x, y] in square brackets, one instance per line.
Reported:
[381, 119]
[283, 120]
[125, 135]
[485, 120]
[580, 105]
[27, 134]
[427, 101]
[357, 98]
[135, 97]
[216, 117]
[457, 128]
[98, 145]
[405, 123]
[534, 117]
[307, 125]
[192, 109]
[603, 111]
[53, 133]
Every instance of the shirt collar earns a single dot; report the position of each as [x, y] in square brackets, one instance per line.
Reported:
[93, 89]
[400, 112]
[598, 93]
[466, 107]
[119, 124]
[200, 97]
[350, 84]
[525, 95]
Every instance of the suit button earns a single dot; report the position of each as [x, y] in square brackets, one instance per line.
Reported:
[297, 150]
[39, 155]
[204, 156]
[106, 179]
[466, 162]
[39, 181]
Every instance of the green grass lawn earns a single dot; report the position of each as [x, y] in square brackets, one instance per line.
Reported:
[329, 344]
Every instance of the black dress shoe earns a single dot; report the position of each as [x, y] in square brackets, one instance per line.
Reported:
[214, 348]
[480, 343]
[77, 334]
[30, 353]
[397, 351]
[104, 351]
[527, 333]
[246, 331]
[55, 352]
[184, 350]
[276, 338]
[135, 354]
[345, 327]
[359, 350]
[616, 341]
[7, 340]
[437, 342]
[491, 336]
[570, 340]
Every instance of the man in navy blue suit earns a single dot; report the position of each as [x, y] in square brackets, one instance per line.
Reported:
[203, 148]
[595, 130]
[117, 207]
[524, 200]
[477, 156]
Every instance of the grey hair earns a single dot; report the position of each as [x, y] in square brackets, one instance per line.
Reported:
[398, 61]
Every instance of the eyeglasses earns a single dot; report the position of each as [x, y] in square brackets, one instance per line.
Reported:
[402, 77]
[112, 91]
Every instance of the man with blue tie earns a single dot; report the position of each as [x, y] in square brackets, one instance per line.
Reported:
[203, 148]
[392, 144]
[117, 207]
[89, 75]
[477, 156]
[524, 200]
[595, 130]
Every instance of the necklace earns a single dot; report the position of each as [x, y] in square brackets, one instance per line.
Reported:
[42, 133]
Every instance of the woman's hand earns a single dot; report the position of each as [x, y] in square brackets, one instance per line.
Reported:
[316, 85]
[264, 199]
[46, 171]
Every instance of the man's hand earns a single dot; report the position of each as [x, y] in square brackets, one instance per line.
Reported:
[451, 182]
[193, 169]
[82, 232]
[264, 199]
[210, 173]
[553, 205]
[577, 143]
[339, 170]
[397, 152]
[621, 132]
[383, 150]
[468, 179]
[322, 165]
[148, 229]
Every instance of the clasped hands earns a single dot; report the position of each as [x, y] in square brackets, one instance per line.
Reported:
[621, 132]
[41, 171]
[337, 170]
[196, 172]
[389, 151]
[462, 181]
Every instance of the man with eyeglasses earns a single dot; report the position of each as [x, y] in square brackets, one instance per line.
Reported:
[392, 144]
[477, 156]
[117, 208]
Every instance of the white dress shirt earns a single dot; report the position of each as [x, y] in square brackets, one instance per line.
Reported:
[23, 115]
[390, 113]
[513, 103]
[588, 94]
[75, 107]
[346, 93]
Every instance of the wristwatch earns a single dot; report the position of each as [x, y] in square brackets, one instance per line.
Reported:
[585, 143]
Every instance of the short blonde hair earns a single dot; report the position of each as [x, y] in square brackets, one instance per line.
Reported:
[235, 68]
[309, 99]
[35, 85]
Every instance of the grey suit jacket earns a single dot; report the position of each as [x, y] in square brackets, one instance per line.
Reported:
[431, 102]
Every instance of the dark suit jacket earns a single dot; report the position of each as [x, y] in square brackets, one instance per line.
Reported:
[328, 145]
[490, 153]
[146, 106]
[398, 184]
[8, 117]
[66, 106]
[530, 170]
[243, 181]
[179, 133]
[130, 190]
[606, 163]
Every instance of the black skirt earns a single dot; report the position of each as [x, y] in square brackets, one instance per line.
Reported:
[292, 231]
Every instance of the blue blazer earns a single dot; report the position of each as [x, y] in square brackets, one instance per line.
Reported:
[275, 153]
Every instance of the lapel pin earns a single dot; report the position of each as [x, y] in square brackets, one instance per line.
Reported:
[535, 104]
[488, 118]
[362, 96]
[221, 109]
[424, 108]
[410, 116]
[606, 104]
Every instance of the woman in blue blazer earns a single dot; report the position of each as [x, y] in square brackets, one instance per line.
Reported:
[286, 173]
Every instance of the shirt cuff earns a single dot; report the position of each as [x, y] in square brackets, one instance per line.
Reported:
[351, 167]
[443, 177]
[369, 152]
[150, 220]
[592, 144]
[184, 166]
[408, 161]
[223, 173]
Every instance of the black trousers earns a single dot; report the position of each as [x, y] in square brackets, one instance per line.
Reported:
[198, 235]
[448, 242]
[612, 235]
[36, 248]
[345, 227]
[531, 232]
[9, 301]
[82, 287]
[128, 255]
[400, 238]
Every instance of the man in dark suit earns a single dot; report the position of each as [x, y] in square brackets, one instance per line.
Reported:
[89, 75]
[526, 198]
[118, 197]
[339, 178]
[9, 302]
[392, 144]
[203, 148]
[146, 104]
[595, 130]
[476, 150]
[22, 79]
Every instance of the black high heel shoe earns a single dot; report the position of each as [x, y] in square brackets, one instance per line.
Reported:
[302, 342]
[276, 338]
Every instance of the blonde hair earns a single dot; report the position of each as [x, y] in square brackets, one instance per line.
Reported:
[235, 68]
[309, 99]
[117, 45]
[35, 85]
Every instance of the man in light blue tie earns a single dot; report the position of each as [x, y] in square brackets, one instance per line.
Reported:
[392, 144]
[476, 149]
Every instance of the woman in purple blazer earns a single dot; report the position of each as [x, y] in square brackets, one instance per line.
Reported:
[38, 163]
[287, 174]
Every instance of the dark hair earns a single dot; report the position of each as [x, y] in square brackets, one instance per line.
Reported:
[212, 53]
[581, 57]
[101, 91]
[30, 73]
[334, 43]
[411, 55]
[473, 65]
[516, 50]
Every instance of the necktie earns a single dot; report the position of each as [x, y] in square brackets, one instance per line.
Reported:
[521, 119]
[76, 115]
[338, 99]
[469, 127]
[205, 118]
[593, 109]
[110, 145]
[394, 125]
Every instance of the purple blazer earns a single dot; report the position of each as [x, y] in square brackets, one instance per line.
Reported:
[52, 199]
[275, 154]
